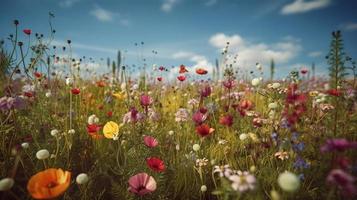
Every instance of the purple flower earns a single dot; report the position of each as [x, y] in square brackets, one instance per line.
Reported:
[301, 163]
[8, 103]
[339, 144]
[343, 181]
[274, 136]
[299, 146]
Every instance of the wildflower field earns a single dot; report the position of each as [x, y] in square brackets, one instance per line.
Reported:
[69, 133]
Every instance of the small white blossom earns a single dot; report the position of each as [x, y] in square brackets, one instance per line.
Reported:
[6, 184]
[243, 181]
[82, 178]
[54, 132]
[203, 188]
[42, 154]
[196, 147]
[48, 94]
[288, 181]
[256, 81]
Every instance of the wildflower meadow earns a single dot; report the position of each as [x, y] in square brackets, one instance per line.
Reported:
[147, 130]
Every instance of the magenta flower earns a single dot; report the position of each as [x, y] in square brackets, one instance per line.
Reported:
[343, 181]
[339, 144]
[229, 84]
[145, 100]
[206, 91]
[150, 141]
[142, 184]
[198, 117]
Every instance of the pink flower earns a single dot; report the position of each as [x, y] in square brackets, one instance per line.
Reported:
[206, 91]
[338, 144]
[229, 84]
[199, 117]
[142, 184]
[145, 100]
[343, 181]
[150, 141]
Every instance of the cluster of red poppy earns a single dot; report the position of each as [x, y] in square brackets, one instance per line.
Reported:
[295, 104]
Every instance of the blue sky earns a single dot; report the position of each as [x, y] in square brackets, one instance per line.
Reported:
[294, 33]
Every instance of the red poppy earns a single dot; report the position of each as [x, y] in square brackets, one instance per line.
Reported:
[28, 94]
[204, 130]
[155, 164]
[159, 79]
[37, 74]
[110, 113]
[101, 84]
[161, 68]
[304, 71]
[226, 120]
[201, 71]
[27, 31]
[334, 92]
[75, 91]
[183, 69]
[92, 130]
[181, 78]
[203, 110]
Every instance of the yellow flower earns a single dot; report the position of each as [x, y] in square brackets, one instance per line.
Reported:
[111, 130]
[119, 95]
[313, 93]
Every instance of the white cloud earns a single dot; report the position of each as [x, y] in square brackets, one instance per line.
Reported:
[301, 6]
[76, 45]
[249, 53]
[68, 3]
[108, 16]
[199, 61]
[167, 5]
[350, 27]
[102, 14]
[315, 54]
[210, 2]
[220, 40]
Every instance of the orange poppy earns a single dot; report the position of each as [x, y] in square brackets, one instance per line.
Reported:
[201, 71]
[49, 184]
[183, 69]
[100, 83]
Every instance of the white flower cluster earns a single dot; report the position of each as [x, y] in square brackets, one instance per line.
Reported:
[240, 181]
[93, 119]
[201, 162]
[181, 115]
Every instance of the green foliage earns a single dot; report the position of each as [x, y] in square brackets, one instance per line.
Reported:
[336, 60]
[272, 69]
